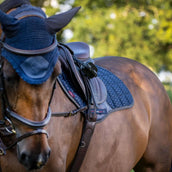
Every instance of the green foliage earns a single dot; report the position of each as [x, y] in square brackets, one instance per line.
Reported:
[143, 33]
[137, 29]
[168, 88]
[37, 3]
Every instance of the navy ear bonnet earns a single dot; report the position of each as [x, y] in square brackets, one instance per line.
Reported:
[29, 33]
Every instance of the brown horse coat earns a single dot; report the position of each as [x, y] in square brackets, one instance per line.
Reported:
[139, 137]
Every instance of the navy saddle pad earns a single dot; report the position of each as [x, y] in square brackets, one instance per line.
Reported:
[118, 95]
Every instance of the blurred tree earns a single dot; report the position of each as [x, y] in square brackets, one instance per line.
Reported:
[141, 30]
[37, 3]
[138, 29]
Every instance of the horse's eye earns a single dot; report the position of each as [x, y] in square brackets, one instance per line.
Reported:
[11, 79]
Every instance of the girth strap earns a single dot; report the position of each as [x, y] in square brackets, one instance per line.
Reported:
[88, 130]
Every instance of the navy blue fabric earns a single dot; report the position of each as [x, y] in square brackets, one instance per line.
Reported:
[31, 34]
[26, 7]
[118, 94]
[118, 98]
[72, 91]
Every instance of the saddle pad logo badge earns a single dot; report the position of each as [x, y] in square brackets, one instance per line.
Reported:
[70, 92]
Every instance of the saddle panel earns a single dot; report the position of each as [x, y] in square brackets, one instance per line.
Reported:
[98, 90]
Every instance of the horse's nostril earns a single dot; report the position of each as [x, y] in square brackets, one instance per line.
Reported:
[49, 152]
[40, 162]
[24, 157]
[34, 161]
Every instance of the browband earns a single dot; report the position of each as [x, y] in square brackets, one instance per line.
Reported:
[30, 52]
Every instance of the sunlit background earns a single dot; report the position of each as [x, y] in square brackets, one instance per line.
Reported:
[137, 29]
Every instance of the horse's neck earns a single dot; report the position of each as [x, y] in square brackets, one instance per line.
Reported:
[66, 131]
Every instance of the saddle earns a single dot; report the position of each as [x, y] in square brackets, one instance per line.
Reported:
[76, 61]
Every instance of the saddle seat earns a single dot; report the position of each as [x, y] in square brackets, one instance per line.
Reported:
[81, 50]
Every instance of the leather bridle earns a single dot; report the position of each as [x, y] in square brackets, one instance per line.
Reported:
[8, 114]
[6, 125]
[8, 128]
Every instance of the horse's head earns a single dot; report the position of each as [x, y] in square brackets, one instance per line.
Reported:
[31, 103]
[29, 68]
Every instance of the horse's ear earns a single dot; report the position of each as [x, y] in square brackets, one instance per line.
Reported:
[9, 24]
[57, 22]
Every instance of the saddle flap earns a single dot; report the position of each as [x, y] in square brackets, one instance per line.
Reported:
[69, 67]
[99, 90]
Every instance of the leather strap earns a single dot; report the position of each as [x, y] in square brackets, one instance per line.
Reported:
[68, 114]
[67, 60]
[84, 143]
[2, 148]
[32, 124]
[6, 130]
[34, 132]
[30, 52]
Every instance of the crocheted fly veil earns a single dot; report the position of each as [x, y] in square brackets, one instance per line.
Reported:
[30, 44]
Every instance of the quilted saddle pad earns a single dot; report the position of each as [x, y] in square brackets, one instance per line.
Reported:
[118, 95]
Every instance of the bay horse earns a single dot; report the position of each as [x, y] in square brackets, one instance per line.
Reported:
[138, 138]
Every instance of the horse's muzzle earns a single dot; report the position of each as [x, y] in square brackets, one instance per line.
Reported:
[33, 161]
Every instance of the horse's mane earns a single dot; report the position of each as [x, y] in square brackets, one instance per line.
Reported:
[9, 4]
